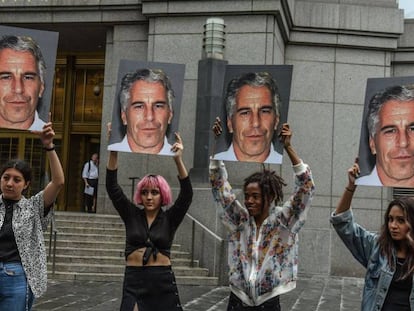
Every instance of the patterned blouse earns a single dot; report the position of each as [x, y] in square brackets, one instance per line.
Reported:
[28, 224]
[267, 267]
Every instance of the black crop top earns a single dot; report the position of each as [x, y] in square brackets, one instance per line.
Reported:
[157, 238]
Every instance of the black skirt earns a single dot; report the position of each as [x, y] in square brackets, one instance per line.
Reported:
[152, 288]
[235, 304]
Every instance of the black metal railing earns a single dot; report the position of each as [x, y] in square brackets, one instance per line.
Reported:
[52, 246]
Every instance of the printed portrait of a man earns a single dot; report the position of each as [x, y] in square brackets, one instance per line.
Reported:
[147, 107]
[387, 133]
[255, 103]
[27, 65]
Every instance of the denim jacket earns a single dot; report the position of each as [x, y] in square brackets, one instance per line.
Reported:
[364, 247]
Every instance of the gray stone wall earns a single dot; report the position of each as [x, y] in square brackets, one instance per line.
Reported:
[333, 45]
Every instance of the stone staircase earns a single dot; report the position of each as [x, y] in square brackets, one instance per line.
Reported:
[91, 247]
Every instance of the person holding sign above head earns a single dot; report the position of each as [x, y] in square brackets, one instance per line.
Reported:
[23, 264]
[388, 255]
[263, 231]
[150, 223]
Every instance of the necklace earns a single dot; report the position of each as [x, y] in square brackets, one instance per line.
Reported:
[401, 261]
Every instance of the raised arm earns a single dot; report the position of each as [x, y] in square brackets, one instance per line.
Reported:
[358, 240]
[344, 203]
[294, 212]
[119, 200]
[112, 163]
[57, 181]
[178, 148]
[285, 137]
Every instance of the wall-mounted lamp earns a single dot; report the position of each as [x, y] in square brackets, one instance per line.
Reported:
[214, 41]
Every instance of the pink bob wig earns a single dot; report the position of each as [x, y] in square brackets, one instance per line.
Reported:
[154, 181]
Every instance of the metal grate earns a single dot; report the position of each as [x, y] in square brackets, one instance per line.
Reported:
[399, 192]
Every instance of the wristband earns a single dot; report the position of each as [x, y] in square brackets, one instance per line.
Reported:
[350, 190]
[49, 149]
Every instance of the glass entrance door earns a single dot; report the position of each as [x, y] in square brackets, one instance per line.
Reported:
[28, 147]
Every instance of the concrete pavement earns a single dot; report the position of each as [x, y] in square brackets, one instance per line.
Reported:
[315, 293]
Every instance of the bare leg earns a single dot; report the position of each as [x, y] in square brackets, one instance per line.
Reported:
[136, 307]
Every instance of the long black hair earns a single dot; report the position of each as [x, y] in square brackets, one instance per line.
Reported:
[388, 245]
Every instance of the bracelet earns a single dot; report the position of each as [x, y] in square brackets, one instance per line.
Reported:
[49, 149]
[350, 190]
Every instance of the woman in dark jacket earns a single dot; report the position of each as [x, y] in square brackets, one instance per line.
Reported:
[149, 283]
[388, 255]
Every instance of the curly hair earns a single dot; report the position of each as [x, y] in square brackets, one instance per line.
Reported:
[271, 185]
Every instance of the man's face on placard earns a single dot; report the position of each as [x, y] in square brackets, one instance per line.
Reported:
[253, 123]
[147, 117]
[393, 144]
[20, 88]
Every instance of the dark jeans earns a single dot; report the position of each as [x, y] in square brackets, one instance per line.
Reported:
[89, 199]
[235, 304]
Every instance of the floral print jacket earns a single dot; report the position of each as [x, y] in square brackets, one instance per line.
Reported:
[267, 267]
[28, 224]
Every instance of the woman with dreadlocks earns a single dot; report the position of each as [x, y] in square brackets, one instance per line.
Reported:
[388, 255]
[263, 236]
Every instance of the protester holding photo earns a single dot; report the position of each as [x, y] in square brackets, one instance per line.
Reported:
[150, 222]
[263, 231]
[388, 255]
[23, 267]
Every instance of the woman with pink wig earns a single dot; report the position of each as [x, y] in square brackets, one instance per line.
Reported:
[150, 223]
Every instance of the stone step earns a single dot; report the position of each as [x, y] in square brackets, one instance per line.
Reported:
[91, 247]
[97, 223]
[76, 251]
[94, 245]
[106, 252]
[111, 260]
[88, 237]
[88, 229]
[111, 277]
[118, 269]
[85, 217]
[88, 244]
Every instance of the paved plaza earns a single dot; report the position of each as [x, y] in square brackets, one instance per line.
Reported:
[316, 293]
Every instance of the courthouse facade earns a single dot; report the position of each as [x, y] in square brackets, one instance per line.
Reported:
[333, 45]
